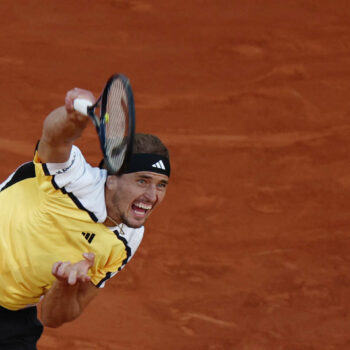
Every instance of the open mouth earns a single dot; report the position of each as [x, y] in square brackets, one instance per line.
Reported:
[140, 209]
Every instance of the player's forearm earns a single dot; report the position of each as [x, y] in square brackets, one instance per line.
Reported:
[62, 127]
[61, 304]
[59, 132]
[70, 293]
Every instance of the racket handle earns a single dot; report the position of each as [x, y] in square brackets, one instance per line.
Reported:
[81, 105]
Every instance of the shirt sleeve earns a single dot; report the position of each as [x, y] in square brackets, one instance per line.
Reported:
[80, 179]
[131, 239]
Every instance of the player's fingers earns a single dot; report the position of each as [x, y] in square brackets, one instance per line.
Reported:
[68, 103]
[82, 267]
[63, 269]
[90, 258]
[71, 95]
[72, 277]
[86, 94]
[87, 278]
[55, 267]
[82, 277]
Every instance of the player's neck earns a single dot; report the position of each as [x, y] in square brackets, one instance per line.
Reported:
[109, 222]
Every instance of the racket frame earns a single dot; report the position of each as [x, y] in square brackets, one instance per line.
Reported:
[100, 122]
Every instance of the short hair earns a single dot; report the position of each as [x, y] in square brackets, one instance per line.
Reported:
[147, 143]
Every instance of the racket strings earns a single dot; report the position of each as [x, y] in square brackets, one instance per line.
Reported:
[116, 124]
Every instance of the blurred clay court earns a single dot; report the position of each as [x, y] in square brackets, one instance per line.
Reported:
[250, 250]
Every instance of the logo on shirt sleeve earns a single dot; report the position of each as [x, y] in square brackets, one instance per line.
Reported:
[61, 171]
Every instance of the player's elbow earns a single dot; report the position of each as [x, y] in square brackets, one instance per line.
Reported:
[51, 323]
[56, 318]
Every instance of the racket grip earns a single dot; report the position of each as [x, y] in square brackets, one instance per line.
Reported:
[81, 105]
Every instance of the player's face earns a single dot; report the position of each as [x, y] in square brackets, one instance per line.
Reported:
[131, 198]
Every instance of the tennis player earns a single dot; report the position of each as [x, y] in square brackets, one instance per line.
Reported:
[66, 227]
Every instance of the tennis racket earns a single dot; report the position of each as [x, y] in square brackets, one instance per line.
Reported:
[113, 115]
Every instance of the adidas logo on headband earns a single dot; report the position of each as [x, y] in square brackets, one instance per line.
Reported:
[148, 162]
[159, 165]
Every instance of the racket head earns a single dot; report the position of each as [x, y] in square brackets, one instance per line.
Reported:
[116, 125]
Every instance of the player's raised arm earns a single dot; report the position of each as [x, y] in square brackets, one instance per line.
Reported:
[61, 127]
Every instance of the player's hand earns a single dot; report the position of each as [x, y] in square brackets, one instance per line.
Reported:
[73, 273]
[77, 93]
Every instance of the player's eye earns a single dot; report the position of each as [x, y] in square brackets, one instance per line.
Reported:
[162, 185]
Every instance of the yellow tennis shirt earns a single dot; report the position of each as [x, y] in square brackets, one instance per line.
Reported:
[50, 213]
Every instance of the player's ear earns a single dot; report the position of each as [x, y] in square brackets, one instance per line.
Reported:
[112, 182]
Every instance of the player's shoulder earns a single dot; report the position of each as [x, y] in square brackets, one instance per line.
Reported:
[83, 182]
[131, 237]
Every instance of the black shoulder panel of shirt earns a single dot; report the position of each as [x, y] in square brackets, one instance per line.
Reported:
[25, 171]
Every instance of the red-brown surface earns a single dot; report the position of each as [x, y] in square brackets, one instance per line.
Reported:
[250, 250]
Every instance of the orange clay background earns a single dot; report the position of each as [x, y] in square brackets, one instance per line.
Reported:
[250, 250]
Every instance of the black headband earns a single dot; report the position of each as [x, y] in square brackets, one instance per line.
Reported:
[147, 162]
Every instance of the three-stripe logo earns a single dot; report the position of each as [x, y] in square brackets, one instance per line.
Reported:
[88, 236]
[159, 165]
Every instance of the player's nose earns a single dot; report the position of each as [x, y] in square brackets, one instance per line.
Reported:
[151, 194]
